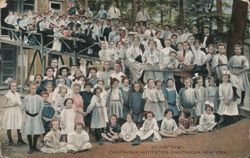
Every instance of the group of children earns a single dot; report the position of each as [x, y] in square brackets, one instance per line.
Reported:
[148, 104]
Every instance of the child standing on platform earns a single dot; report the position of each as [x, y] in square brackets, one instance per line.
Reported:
[12, 117]
[33, 125]
[136, 103]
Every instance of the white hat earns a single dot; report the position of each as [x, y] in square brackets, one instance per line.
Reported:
[207, 103]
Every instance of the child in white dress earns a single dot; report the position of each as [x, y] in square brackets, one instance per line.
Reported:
[12, 116]
[99, 113]
[52, 142]
[67, 119]
[148, 131]
[150, 94]
[78, 140]
[227, 106]
[169, 127]
[207, 119]
[129, 129]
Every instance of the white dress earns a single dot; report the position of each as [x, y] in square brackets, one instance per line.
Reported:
[148, 128]
[237, 63]
[68, 120]
[78, 142]
[52, 138]
[226, 91]
[207, 122]
[99, 113]
[33, 106]
[12, 116]
[151, 96]
[200, 98]
[128, 131]
[168, 125]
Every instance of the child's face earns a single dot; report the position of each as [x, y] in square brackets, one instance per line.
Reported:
[210, 50]
[98, 92]
[87, 88]
[77, 89]
[106, 65]
[38, 79]
[82, 61]
[167, 43]
[61, 82]
[187, 83]
[151, 45]
[45, 97]
[170, 83]
[126, 83]
[158, 85]
[209, 110]
[63, 92]
[115, 84]
[151, 84]
[78, 73]
[13, 87]
[64, 72]
[149, 116]
[49, 73]
[169, 115]
[137, 87]
[93, 73]
[100, 83]
[79, 129]
[117, 67]
[69, 103]
[197, 45]
[180, 47]
[221, 49]
[49, 88]
[113, 120]
[33, 89]
[225, 78]
[129, 118]
[200, 82]
[55, 125]
[237, 50]
[185, 46]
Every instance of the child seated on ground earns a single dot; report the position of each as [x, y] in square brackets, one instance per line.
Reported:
[148, 131]
[169, 127]
[112, 130]
[51, 140]
[129, 129]
[78, 140]
[186, 122]
[207, 119]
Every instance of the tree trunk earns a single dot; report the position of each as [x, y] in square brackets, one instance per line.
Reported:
[219, 13]
[181, 13]
[134, 10]
[238, 25]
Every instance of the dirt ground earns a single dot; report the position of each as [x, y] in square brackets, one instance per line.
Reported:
[229, 142]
